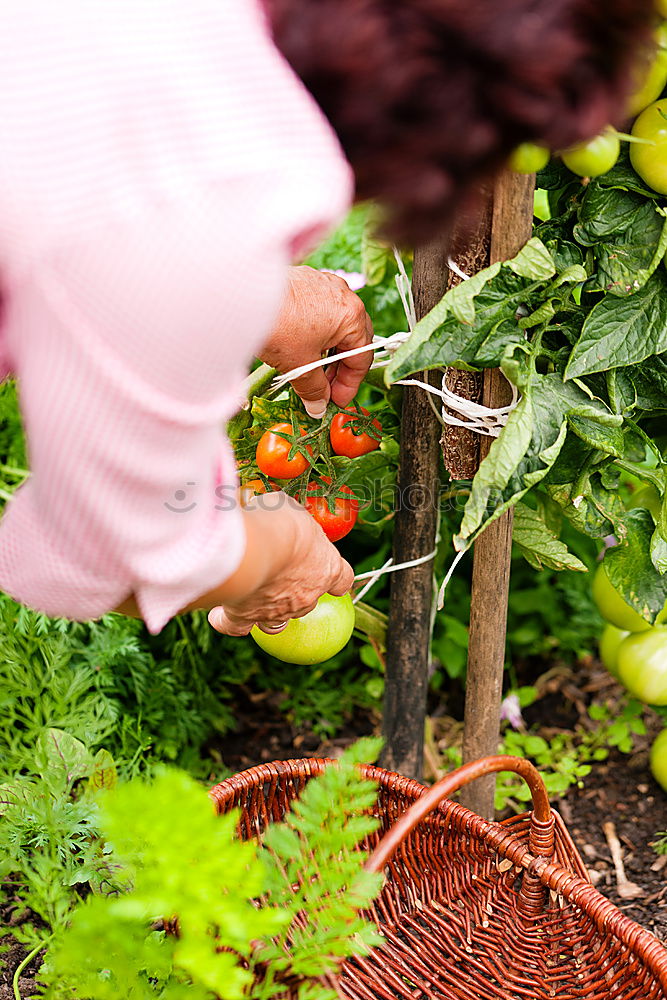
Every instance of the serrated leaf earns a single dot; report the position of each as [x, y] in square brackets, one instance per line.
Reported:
[622, 331]
[539, 545]
[630, 568]
[626, 264]
[528, 447]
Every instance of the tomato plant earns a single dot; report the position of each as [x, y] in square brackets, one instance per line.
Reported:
[650, 158]
[595, 157]
[273, 453]
[350, 433]
[314, 638]
[336, 514]
[529, 158]
[658, 759]
[642, 665]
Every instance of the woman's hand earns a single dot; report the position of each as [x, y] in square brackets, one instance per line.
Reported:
[319, 313]
[288, 564]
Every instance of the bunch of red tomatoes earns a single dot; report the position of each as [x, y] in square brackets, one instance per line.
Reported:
[286, 453]
[282, 455]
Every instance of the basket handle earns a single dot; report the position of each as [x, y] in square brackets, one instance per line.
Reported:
[542, 823]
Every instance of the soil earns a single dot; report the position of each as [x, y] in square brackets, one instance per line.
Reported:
[618, 791]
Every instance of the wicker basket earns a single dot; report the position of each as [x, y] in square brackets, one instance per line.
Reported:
[472, 909]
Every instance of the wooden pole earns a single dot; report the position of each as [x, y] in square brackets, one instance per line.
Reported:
[415, 532]
[511, 228]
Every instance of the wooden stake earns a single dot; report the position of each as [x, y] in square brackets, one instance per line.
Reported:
[415, 531]
[511, 228]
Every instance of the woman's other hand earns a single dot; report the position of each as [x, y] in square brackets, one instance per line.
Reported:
[288, 564]
[320, 312]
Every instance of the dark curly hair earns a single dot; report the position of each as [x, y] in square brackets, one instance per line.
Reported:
[429, 97]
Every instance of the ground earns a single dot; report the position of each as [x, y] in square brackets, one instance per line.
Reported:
[619, 790]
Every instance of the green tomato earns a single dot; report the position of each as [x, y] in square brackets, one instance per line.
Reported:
[658, 759]
[613, 608]
[316, 637]
[650, 161]
[649, 498]
[595, 157]
[642, 665]
[528, 158]
[653, 79]
[610, 640]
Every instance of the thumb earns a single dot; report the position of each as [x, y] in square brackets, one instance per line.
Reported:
[315, 391]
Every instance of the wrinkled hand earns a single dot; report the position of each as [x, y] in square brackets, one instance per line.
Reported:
[298, 564]
[319, 313]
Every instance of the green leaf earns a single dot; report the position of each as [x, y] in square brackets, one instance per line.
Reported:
[620, 332]
[375, 255]
[463, 328]
[606, 212]
[539, 545]
[496, 470]
[650, 383]
[533, 261]
[104, 774]
[599, 436]
[630, 568]
[529, 445]
[59, 754]
[626, 264]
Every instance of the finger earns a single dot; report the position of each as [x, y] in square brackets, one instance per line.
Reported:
[315, 391]
[270, 629]
[342, 581]
[223, 623]
[305, 610]
[350, 372]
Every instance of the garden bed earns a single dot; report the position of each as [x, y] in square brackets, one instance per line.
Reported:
[619, 790]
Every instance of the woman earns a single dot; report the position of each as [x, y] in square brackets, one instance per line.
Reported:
[163, 162]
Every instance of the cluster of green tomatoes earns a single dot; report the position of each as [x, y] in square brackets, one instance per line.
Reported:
[635, 653]
[648, 136]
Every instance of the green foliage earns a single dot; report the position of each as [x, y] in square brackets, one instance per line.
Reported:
[577, 323]
[185, 862]
[108, 682]
[565, 760]
[48, 832]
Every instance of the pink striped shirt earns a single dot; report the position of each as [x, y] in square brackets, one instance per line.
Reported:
[160, 166]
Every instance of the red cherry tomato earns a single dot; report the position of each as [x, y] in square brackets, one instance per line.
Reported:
[348, 439]
[273, 451]
[339, 522]
[252, 488]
